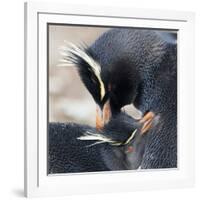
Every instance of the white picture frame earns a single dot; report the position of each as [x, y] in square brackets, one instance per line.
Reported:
[37, 182]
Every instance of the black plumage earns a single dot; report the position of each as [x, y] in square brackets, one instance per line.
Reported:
[138, 66]
[161, 146]
[67, 153]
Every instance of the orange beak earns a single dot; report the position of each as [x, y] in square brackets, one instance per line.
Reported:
[103, 116]
[147, 121]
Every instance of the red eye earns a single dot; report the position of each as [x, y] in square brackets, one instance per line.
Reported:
[109, 87]
[129, 149]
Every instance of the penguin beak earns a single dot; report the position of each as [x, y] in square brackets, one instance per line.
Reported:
[147, 121]
[99, 118]
[103, 116]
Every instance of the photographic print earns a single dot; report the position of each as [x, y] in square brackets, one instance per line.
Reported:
[109, 99]
[112, 98]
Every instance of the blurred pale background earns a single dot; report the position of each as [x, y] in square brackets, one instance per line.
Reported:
[69, 101]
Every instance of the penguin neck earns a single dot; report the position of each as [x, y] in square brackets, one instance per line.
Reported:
[157, 93]
[145, 85]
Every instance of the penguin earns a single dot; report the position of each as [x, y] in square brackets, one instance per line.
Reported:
[75, 148]
[121, 66]
[134, 66]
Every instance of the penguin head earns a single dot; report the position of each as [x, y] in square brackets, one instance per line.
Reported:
[128, 137]
[122, 137]
[120, 130]
[112, 87]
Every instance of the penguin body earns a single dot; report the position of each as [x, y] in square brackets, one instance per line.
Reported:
[66, 154]
[161, 145]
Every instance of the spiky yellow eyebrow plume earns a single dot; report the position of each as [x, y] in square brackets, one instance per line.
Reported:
[71, 51]
[98, 137]
[131, 137]
[89, 136]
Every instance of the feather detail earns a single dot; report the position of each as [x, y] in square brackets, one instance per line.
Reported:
[131, 137]
[88, 136]
[72, 53]
[98, 137]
